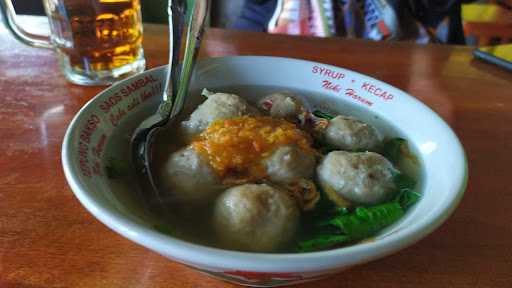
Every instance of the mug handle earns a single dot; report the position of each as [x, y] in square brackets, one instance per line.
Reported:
[9, 18]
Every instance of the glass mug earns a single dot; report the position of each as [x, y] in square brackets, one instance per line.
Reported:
[98, 41]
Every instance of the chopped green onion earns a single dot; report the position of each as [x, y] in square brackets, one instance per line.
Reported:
[324, 115]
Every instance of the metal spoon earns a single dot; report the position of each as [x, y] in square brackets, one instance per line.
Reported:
[176, 86]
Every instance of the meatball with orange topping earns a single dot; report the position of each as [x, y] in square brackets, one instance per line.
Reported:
[246, 149]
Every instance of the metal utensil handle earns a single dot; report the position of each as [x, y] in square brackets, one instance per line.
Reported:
[9, 18]
[195, 31]
[177, 10]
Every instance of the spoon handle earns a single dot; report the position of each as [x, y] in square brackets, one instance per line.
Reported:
[195, 31]
[177, 12]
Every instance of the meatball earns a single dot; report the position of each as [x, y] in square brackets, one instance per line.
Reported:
[187, 177]
[282, 105]
[288, 164]
[217, 106]
[363, 178]
[348, 133]
[255, 217]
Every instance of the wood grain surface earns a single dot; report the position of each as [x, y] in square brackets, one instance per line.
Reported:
[47, 239]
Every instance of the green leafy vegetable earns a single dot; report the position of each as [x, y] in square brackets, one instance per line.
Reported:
[365, 221]
[324, 115]
[406, 195]
[354, 226]
[408, 198]
[397, 151]
[322, 242]
[335, 226]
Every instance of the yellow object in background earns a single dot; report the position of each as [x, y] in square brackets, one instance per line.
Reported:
[500, 55]
[500, 51]
[487, 24]
[479, 12]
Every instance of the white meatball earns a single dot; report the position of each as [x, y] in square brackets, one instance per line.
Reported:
[217, 106]
[348, 133]
[363, 178]
[282, 105]
[187, 177]
[256, 218]
[289, 164]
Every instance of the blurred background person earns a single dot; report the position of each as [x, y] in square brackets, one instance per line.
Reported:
[421, 20]
[424, 21]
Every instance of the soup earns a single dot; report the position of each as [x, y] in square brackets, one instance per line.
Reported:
[274, 175]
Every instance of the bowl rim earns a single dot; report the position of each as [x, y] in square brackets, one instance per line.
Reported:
[220, 259]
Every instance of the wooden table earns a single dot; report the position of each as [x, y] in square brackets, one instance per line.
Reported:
[47, 239]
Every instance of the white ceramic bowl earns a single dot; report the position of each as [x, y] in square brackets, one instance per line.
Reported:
[99, 136]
